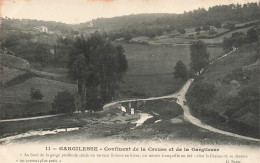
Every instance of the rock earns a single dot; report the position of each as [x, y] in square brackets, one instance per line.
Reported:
[235, 84]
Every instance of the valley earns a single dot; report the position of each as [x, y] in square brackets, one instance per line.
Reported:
[137, 78]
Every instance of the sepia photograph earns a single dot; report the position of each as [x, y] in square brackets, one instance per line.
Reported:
[130, 81]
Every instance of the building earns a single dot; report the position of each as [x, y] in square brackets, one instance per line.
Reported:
[42, 29]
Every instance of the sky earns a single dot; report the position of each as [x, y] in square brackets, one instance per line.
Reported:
[79, 11]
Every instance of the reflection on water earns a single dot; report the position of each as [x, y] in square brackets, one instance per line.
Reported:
[143, 118]
[36, 133]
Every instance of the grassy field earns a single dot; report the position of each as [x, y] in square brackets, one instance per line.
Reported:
[146, 59]
[14, 62]
[16, 101]
[10, 73]
[49, 88]
[149, 85]
[150, 69]
[19, 78]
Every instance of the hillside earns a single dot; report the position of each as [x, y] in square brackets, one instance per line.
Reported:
[235, 106]
[17, 80]
[29, 25]
[116, 23]
[223, 13]
[222, 18]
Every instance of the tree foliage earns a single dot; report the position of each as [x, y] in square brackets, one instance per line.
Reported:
[181, 30]
[213, 16]
[237, 39]
[199, 55]
[197, 29]
[36, 94]
[252, 35]
[93, 101]
[180, 70]
[98, 66]
[206, 27]
[63, 102]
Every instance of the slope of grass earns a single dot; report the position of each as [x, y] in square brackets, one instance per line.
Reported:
[16, 100]
[49, 88]
[19, 78]
[236, 73]
[14, 62]
[10, 73]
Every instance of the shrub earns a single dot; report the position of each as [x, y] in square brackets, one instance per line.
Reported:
[252, 35]
[212, 31]
[36, 94]
[180, 70]
[93, 103]
[206, 27]
[197, 29]
[63, 102]
[182, 31]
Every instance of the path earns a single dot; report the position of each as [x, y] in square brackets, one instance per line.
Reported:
[181, 100]
[30, 118]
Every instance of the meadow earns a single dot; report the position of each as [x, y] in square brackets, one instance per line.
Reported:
[10, 73]
[16, 100]
[150, 69]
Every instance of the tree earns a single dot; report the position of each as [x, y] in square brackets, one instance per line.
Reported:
[252, 35]
[206, 27]
[98, 66]
[63, 102]
[150, 33]
[217, 24]
[93, 101]
[36, 94]
[180, 70]
[182, 31]
[199, 55]
[197, 29]
[227, 44]
[236, 40]
[212, 31]
[123, 64]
